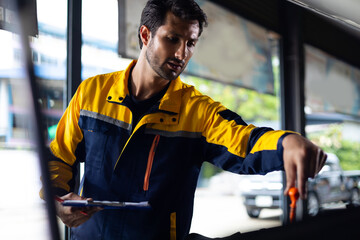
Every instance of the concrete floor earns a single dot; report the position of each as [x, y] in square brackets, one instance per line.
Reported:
[222, 215]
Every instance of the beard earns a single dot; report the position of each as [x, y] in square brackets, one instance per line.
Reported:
[161, 68]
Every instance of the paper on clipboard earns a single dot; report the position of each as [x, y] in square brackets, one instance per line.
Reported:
[105, 204]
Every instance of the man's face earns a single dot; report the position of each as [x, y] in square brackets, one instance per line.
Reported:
[171, 48]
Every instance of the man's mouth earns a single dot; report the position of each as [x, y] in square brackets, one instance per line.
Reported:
[174, 66]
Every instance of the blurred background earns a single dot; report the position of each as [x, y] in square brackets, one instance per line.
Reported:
[239, 61]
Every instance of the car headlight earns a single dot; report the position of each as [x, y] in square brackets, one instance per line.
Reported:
[247, 186]
[274, 186]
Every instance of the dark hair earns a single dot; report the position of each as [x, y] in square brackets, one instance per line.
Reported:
[154, 13]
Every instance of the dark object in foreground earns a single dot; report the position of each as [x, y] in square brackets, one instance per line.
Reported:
[333, 224]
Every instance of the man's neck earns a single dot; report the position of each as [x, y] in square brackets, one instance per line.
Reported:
[144, 81]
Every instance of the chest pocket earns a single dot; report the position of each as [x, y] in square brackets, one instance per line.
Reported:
[102, 141]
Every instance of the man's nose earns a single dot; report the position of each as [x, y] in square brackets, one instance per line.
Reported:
[181, 52]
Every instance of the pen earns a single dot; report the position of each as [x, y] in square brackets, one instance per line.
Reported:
[59, 199]
[62, 200]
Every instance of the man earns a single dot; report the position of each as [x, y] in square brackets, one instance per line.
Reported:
[143, 135]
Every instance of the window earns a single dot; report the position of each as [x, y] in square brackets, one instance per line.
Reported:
[333, 123]
[100, 38]
[20, 173]
[249, 87]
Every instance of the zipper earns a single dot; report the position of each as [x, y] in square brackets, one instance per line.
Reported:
[132, 134]
[150, 162]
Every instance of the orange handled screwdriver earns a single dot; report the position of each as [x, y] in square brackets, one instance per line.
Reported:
[294, 196]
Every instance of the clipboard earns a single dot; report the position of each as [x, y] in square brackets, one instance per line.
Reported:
[105, 204]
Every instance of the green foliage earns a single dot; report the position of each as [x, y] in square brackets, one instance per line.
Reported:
[249, 104]
[331, 140]
[349, 155]
[209, 170]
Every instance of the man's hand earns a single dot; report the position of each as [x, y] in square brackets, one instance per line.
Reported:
[302, 160]
[74, 216]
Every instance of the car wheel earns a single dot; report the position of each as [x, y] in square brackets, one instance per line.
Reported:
[313, 204]
[355, 197]
[253, 212]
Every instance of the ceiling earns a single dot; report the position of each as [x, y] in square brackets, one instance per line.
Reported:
[330, 25]
[344, 10]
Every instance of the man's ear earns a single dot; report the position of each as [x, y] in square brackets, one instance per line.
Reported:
[145, 35]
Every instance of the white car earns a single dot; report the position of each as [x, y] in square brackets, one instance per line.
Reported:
[331, 185]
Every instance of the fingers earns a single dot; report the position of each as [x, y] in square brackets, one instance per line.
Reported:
[302, 184]
[308, 166]
[290, 179]
[81, 215]
[92, 210]
[320, 160]
[302, 160]
[295, 174]
[86, 211]
[75, 216]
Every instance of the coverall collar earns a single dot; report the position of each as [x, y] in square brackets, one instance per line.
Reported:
[170, 102]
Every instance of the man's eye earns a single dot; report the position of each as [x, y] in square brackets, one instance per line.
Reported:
[191, 44]
[173, 39]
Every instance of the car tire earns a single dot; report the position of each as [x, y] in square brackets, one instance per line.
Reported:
[313, 204]
[253, 212]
